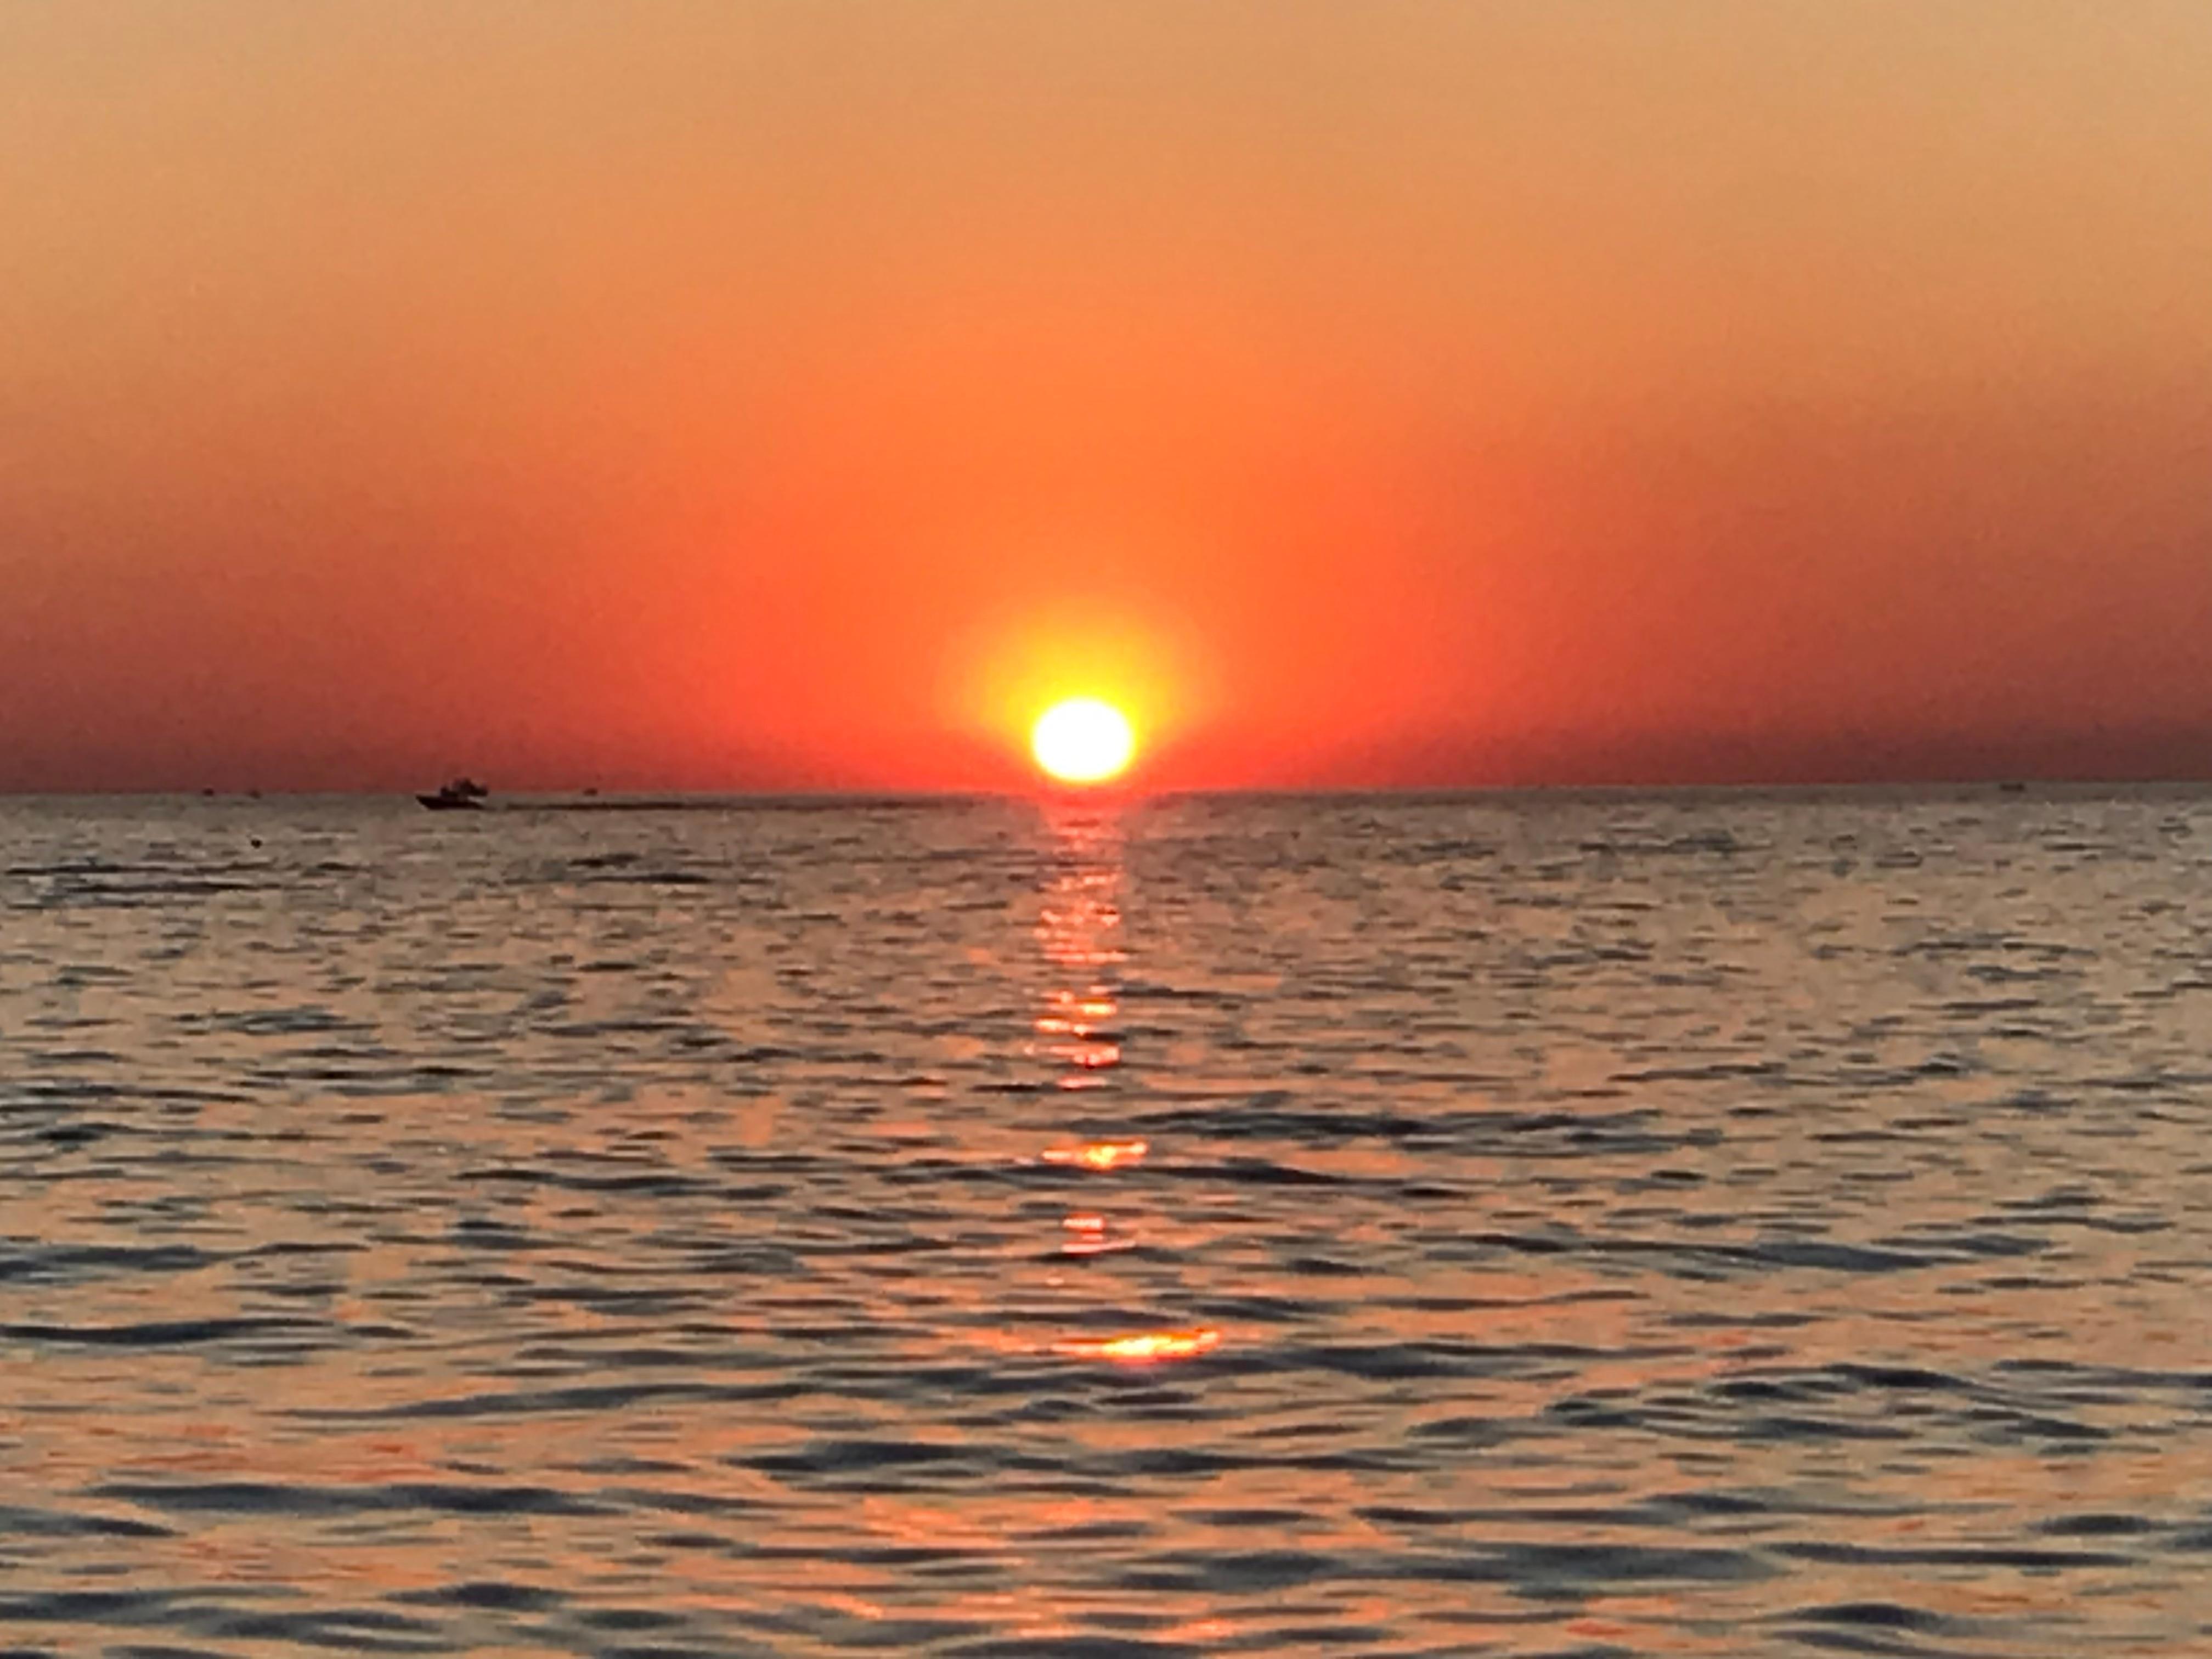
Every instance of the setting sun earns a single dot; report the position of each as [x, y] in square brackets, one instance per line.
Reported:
[1083, 740]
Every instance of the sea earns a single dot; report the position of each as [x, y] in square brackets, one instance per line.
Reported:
[1732, 1224]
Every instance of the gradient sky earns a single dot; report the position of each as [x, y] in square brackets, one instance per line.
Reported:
[741, 394]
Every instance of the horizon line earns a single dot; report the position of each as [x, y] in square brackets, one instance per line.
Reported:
[591, 798]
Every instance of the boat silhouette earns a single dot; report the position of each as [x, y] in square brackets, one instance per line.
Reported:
[461, 795]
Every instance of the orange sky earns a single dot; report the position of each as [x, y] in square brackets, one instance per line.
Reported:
[734, 394]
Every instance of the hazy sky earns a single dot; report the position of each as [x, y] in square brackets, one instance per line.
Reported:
[735, 394]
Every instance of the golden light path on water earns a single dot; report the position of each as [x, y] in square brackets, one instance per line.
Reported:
[1080, 934]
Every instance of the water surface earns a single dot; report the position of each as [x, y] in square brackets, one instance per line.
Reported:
[1618, 1225]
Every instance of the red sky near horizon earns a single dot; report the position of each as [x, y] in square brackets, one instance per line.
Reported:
[736, 395]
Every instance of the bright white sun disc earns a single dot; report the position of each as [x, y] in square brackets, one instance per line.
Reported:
[1083, 740]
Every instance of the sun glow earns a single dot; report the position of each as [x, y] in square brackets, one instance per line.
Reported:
[1083, 740]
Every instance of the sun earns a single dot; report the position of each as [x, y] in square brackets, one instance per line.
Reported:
[1083, 740]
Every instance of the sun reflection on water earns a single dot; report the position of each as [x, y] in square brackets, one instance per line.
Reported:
[1143, 1347]
[1079, 935]
[1091, 1234]
[1100, 1154]
[1079, 932]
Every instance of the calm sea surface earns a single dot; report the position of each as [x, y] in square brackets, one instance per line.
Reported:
[1629, 1225]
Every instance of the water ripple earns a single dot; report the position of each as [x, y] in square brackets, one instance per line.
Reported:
[1725, 1226]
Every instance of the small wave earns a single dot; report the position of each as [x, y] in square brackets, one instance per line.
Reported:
[164, 1334]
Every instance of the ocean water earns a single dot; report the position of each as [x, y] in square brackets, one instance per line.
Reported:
[1729, 1225]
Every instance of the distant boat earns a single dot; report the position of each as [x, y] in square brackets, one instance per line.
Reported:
[461, 795]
